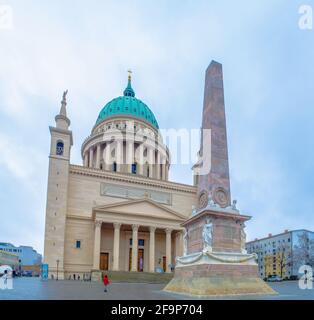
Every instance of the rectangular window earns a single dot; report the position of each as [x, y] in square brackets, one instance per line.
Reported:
[78, 244]
[140, 242]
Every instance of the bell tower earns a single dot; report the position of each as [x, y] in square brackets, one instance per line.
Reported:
[57, 192]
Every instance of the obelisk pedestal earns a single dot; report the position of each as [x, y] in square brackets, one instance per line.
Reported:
[215, 260]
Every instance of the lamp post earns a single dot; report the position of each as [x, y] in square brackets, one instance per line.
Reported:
[57, 267]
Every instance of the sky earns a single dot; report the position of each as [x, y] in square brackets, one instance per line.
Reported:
[87, 48]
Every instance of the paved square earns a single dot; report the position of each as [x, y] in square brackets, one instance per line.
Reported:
[36, 289]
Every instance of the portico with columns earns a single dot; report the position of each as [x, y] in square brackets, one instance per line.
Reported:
[145, 240]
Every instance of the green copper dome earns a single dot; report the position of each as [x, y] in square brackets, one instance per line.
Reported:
[128, 105]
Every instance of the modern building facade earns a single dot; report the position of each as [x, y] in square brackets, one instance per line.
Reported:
[27, 256]
[284, 253]
[9, 259]
[118, 210]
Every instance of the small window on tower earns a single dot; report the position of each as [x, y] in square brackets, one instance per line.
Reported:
[78, 244]
[59, 148]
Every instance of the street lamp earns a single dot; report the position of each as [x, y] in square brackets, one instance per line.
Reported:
[57, 267]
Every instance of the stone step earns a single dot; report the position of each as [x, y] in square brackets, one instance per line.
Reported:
[140, 277]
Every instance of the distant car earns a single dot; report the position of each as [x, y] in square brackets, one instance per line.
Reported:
[27, 273]
[274, 279]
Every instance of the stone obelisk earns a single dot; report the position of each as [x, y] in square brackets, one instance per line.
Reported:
[215, 261]
[212, 169]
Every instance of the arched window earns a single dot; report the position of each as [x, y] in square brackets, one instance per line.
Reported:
[59, 148]
[114, 167]
[134, 168]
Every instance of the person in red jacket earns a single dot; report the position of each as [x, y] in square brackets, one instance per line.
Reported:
[106, 282]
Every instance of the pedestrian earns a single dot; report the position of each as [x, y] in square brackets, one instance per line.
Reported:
[74, 276]
[5, 277]
[106, 282]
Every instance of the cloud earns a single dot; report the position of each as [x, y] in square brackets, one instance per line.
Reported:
[21, 160]
[87, 48]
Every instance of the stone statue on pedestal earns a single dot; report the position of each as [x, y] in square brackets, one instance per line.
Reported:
[243, 239]
[207, 235]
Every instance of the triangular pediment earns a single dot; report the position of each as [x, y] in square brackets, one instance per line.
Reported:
[142, 207]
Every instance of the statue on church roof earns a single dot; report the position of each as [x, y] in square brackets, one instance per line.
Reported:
[64, 96]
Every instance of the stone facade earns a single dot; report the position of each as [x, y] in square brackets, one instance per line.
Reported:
[103, 215]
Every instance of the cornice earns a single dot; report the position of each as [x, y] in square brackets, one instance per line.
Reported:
[129, 178]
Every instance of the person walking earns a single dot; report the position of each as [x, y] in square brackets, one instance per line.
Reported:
[106, 282]
[5, 279]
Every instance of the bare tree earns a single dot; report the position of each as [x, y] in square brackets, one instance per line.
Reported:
[304, 250]
[283, 256]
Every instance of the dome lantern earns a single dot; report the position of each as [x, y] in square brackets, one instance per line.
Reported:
[129, 92]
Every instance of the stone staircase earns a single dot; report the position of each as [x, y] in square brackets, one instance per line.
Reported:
[139, 277]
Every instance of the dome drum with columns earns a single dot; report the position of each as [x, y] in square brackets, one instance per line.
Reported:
[126, 139]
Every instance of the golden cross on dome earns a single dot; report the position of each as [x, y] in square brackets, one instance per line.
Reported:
[130, 74]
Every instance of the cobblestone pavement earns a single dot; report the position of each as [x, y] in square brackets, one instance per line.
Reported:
[35, 289]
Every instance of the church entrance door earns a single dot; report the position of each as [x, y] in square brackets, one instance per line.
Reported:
[140, 260]
[104, 261]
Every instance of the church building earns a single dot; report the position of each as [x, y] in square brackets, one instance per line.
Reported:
[118, 210]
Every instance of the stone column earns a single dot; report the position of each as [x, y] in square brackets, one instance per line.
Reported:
[116, 246]
[152, 249]
[119, 156]
[91, 156]
[97, 240]
[158, 166]
[140, 159]
[151, 162]
[167, 171]
[98, 156]
[180, 244]
[107, 161]
[134, 247]
[168, 249]
[129, 155]
[86, 159]
[163, 169]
